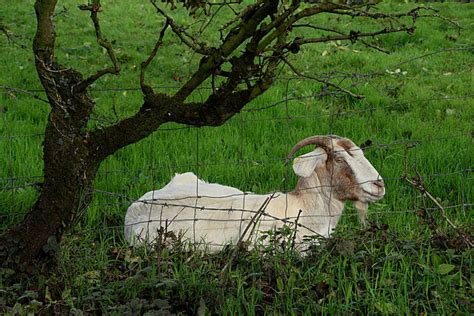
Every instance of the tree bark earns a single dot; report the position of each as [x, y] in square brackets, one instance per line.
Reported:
[69, 169]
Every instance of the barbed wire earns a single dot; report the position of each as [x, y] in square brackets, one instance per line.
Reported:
[344, 214]
[166, 201]
[38, 184]
[250, 162]
[13, 184]
[339, 113]
[373, 212]
[330, 75]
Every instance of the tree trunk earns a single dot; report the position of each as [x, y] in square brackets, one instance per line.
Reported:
[70, 167]
[62, 195]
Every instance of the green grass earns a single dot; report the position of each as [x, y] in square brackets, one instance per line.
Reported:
[398, 266]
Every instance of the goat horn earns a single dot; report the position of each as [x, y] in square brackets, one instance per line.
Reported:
[322, 141]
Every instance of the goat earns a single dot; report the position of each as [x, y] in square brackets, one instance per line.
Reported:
[334, 172]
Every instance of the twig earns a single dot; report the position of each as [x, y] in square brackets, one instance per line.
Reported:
[159, 247]
[240, 15]
[293, 239]
[161, 241]
[94, 8]
[380, 49]
[326, 82]
[352, 36]
[342, 33]
[182, 34]
[145, 64]
[417, 183]
[419, 186]
[253, 222]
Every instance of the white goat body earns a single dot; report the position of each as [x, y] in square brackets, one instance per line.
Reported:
[214, 214]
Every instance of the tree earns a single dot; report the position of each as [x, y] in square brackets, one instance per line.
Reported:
[254, 46]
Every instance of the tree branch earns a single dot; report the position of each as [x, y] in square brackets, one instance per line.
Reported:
[44, 40]
[326, 82]
[418, 184]
[353, 36]
[281, 26]
[341, 9]
[160, 108]
[262, 29]
[234, 39]
[222, 104]
[341, 33]
[94, 8]
[199, 48]
[145, 64]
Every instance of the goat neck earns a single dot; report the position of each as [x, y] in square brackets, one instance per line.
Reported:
[316, 198]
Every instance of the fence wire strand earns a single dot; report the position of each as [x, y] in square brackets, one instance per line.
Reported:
[17, 185]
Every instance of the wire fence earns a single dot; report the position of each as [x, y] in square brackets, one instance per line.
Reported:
[224, 216]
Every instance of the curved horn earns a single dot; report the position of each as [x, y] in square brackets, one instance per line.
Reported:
[318, 140]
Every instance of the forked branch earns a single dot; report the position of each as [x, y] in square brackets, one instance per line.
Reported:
[251, 225]
[146, 89]
[326, 82]
[185, 38]
[417, 183]
[94, 8]
[353, 36]
[250, 52]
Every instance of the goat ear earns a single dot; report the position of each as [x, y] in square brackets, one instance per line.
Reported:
[304, 165]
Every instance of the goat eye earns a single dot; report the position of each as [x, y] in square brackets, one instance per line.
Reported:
[339, 159]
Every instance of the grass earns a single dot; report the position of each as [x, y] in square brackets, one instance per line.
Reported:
[397, 266]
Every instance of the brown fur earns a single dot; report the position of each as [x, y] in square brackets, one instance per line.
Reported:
[347, 145]
[341, 177]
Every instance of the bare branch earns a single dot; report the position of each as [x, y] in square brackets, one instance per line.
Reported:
[185, 38]
[380, 49]
[94, 8]
[413, 13]
[437, 15]
[293, 239]
[326, 82]
[261, 29]
[252, 224]
[240, 15]
[354, 11]
[417, 183]
[145, 64]
[209, 63]
[341, 33]
[352, 36]
[282, 26]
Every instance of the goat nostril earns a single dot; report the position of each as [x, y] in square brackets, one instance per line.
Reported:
[379, 183]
